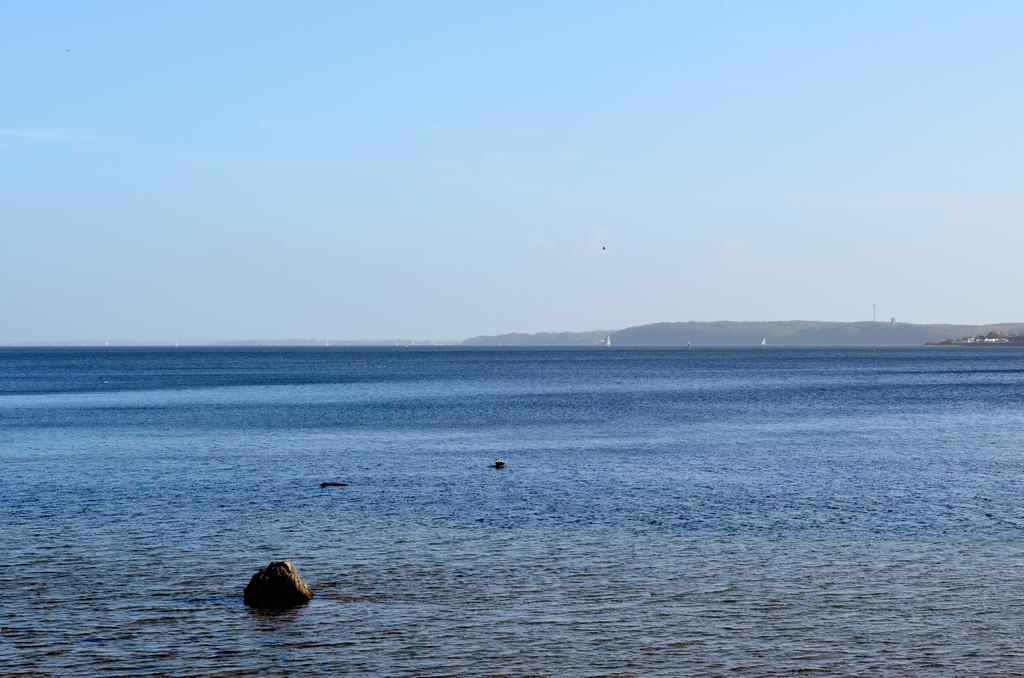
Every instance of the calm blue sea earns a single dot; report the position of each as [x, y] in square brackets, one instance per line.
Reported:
[662, 511]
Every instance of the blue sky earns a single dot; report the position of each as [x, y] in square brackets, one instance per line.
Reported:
[203, 171]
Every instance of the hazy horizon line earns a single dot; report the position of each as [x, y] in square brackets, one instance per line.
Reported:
[382, 341]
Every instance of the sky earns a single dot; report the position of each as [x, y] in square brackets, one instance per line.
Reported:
[203, 171]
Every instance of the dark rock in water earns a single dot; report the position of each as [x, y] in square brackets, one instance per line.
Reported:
[277, 585]
[332, 484]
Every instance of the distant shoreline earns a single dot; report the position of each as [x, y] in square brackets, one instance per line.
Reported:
[794, 333]
[212, 348]
[789, 333]
[975, 344]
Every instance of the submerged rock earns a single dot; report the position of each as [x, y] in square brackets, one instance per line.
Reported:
[333, 484]
[277, 585]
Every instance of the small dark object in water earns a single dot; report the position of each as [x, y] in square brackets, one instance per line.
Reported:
[277, 585]
[499, 463]
[333, 484]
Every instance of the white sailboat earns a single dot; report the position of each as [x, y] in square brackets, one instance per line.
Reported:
[764, 342]
[608, 341]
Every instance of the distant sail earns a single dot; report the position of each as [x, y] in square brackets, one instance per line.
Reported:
[608, 341]
[764, 342]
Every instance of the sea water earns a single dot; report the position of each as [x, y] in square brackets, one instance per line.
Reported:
[661, 511]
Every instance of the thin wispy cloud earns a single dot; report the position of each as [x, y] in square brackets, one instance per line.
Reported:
[439, 130]
[303, 126]
[891, 201]
[286, 164]
[592, 242]
[732, 244]
[505, 159]
[42, 134]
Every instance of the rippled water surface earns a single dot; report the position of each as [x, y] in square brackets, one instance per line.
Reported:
[661, 512]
